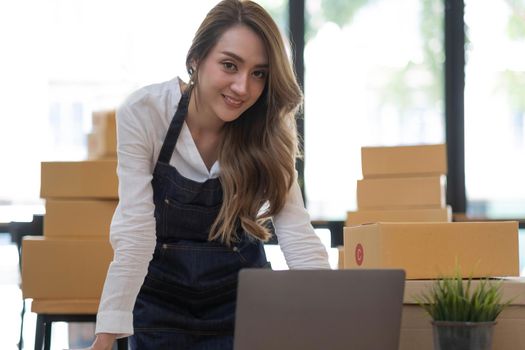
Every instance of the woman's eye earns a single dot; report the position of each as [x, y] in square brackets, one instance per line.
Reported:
[260, 74]
[229, 66]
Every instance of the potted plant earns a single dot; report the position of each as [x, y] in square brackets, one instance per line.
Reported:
[463, 316]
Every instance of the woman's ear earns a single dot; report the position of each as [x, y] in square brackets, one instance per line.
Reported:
[193, 66]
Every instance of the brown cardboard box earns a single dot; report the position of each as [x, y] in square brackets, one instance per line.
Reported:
[341, 257]
[92, 146]
[401, 193]
[86, 179]
[104, 119]
[360, 217]
[77, 218]
[404, 160]
[55, 268]
[430, 250]
[65, 306]
[416, 329]
[102, 142]
[100, 146]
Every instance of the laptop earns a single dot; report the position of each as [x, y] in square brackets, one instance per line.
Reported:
[319, 309]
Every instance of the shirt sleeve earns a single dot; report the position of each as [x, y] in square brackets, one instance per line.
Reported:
[301, 246]
[132, 231]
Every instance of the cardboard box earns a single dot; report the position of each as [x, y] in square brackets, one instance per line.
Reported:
[360, 217]
[64, 268]
[104, 119]
[102, 142]
[340, 257]
[402, 193]
[78, 218]
[404, 160]
[86, 179]
[432, 250]
[65, 306]
[92, 147]
[100, 146]
[416, 329]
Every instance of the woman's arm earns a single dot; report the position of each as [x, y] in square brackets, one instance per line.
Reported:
[301, 247]
[132, 231]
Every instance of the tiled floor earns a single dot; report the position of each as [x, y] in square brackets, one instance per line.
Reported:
[11, 296]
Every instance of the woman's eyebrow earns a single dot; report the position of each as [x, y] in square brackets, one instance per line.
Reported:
[241, 60]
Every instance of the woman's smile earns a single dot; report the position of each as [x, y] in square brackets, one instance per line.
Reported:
[232, 102]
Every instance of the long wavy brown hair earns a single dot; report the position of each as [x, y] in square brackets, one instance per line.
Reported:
[258, 150]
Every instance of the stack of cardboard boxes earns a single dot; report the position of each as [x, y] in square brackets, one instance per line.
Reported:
[401, 202]
[401, 184]
[69, 263]
[404, 224]
[404, 183]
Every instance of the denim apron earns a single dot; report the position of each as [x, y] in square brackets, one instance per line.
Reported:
[187, 300]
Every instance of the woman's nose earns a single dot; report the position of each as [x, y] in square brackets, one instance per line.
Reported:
[240, 85]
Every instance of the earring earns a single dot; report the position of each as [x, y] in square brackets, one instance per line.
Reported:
[190, 72]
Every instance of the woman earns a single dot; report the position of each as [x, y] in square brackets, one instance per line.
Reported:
[202, 168]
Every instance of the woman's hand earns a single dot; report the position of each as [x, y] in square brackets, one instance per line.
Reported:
[103, 341]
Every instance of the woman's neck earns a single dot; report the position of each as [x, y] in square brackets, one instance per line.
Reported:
[201, 120]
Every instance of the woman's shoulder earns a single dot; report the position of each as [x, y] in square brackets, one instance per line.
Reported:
[164, 94]
[151, 106]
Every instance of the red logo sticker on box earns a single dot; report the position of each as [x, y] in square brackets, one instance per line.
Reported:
[359, 254]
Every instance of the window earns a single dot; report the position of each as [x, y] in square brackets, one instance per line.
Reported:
[495, 108]
[373, 76]
[68, 58]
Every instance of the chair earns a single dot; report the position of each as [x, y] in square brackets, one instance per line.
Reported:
[49, 311]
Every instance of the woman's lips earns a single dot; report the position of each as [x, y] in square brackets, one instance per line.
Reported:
[233, 102]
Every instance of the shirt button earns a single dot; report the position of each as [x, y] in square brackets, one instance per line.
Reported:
[235, 249]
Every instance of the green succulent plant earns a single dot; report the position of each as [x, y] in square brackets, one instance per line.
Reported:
[456, 300]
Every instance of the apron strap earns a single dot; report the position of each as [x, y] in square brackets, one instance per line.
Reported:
[174, 130]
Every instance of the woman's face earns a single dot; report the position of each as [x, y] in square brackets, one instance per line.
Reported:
[233, 75]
